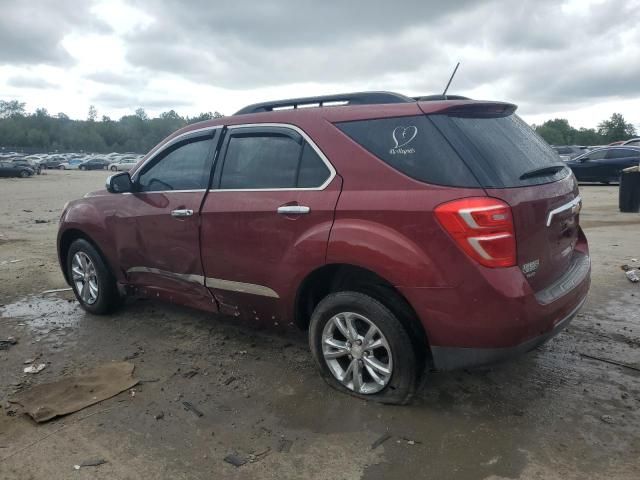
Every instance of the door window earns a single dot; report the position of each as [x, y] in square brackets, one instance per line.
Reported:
[277, 158]
[597, 155]
[184, 166]
[622, 153]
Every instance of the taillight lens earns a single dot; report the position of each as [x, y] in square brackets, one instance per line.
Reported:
[482, 227]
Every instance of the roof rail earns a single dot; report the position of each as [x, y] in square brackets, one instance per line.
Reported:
[356, 98]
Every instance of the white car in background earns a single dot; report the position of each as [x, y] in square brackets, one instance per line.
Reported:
[73, 164]
[123, 164]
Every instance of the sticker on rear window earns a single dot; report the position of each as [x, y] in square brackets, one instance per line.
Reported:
[403, 136]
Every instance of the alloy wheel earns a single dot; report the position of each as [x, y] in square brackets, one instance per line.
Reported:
[85, 278]
[357, 353]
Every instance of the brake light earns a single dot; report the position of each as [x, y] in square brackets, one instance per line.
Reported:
[482, 227]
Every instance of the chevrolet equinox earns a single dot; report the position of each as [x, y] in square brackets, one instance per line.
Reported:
[400, 232]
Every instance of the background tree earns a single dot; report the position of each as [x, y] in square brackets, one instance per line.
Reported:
[616, 128]
[93, 114]
[11, 108]
[556, 132]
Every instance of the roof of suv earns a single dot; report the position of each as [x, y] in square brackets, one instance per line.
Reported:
[347, 107]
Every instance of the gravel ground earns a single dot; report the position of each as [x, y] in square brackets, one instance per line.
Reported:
[553, 413]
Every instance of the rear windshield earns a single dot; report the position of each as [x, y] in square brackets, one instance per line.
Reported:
[458, 151]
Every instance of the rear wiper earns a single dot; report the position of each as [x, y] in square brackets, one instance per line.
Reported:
[541, 172]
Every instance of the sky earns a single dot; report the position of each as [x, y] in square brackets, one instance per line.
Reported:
[574, 59]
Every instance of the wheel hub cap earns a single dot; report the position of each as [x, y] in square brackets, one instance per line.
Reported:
[357, 353]
[85, 278]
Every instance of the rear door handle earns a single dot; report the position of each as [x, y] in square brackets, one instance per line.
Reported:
[293, 210]
[181, 213]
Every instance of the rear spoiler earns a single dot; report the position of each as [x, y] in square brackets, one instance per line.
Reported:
[477, 109]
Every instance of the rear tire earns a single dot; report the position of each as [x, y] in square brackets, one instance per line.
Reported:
[85, 266]
[387, 375]
[114, 169]
[24, 174]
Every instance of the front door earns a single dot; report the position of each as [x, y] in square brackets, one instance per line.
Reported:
[158, 232]
[267, 219]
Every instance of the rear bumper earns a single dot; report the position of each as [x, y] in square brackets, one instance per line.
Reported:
[497, 315]
[451, 358]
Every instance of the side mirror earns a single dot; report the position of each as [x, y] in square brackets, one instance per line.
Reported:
[584, 159]
[119, 183]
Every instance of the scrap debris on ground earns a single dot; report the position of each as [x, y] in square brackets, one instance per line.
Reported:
[49, 400]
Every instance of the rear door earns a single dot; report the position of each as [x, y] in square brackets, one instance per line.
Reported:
[267, 218]
[618, 159]
[515, 165]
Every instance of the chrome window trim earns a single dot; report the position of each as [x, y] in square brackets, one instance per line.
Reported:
[169, 143]
[562, 208]
[303, 134]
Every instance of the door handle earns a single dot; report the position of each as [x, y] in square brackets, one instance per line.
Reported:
[181, 213]
[293, 210]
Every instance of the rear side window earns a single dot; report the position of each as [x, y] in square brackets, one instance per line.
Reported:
[414, 146]
[460, 151]
[500, 150]
[278, 158]
[622, 153]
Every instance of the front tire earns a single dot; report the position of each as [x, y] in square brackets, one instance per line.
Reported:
[114, 169]
[91, 280]
[24, 174]
[362, 349]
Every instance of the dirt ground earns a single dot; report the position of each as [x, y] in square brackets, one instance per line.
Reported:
[552, 413]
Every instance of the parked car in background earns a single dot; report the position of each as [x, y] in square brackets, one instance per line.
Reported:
[604, 165]
[567, 152]
[94, 164]
[399, 232]
[633, 142]
[123, 164]
[51, 162]
[35, 166]
[71, 164]
[12, 169]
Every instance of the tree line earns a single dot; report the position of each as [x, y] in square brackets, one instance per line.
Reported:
[40, 131]
[560, 132]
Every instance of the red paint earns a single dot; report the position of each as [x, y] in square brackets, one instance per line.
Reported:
[369, 216]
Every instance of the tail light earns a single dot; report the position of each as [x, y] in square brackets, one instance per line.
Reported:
[482, 227]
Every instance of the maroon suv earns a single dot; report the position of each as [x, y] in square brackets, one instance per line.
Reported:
[401, 232]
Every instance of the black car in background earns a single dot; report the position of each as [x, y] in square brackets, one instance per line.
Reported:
[604, 164]
[36, 167]
[51, 162]
[569, 152]
[94, 164]
[12, 169]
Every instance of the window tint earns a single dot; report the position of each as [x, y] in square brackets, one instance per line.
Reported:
[597, 155]
[278, 158]
[634, 142]
[414, 146]
[622, 153]
[261, 161]
[185, 166]
[313, 171]
[500, 150]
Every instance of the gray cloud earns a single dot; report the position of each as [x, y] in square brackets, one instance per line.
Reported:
[31, 32]
[536, 51]
[132, 100]
[23, 81]
[129, 79]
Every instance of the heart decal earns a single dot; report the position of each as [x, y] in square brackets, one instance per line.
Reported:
[403, 135]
